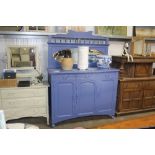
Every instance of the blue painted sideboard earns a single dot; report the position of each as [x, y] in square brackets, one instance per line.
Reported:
[78, 93]
[82, 93]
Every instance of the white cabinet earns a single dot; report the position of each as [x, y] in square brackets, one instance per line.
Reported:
[24, 101]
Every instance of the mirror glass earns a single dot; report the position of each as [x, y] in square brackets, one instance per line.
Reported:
[22, 57]
[66, 53]
[59, 55]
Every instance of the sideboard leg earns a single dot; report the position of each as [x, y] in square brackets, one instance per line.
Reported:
[113, 117]
[53, 125]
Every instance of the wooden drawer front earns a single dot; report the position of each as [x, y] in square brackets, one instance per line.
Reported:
[22, 93]
[149, 85]
[143, 70]
[132, 100]
[132, 85]
[27, 102]
[24, 112]
[149, 98]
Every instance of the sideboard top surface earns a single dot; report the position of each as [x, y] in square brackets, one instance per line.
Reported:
[143, 59]
[77, 71]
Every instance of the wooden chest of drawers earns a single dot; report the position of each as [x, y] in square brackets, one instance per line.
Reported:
[20, 102]
[136, 89]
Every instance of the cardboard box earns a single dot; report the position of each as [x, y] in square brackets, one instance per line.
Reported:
[8, 83]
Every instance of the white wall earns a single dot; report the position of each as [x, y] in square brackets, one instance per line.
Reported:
[115, 47]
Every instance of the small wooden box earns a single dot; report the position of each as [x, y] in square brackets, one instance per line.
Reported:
[8, 83]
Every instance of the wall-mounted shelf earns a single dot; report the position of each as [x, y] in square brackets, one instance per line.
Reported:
[46, 34]
[150, 39]
[116, 37]
[26, 33]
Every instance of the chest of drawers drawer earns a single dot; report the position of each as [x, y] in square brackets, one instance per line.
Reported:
[24, 112]
[22, 93]
[23, 102]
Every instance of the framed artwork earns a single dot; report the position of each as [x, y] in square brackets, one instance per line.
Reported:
[37, 28]
[144, 31]
[138, 46]
[150, 48]
[32, 28]
[76, 28]
[64, 29]
[111, 30]
[60, 29]
[11, 28]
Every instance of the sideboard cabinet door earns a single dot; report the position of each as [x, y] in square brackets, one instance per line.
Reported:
[149, 94]
[106, 93]
[86, 89]
[63, 97]
[131, 96]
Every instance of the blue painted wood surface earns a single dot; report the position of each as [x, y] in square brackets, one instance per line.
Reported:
[82, 93]
[79, 93]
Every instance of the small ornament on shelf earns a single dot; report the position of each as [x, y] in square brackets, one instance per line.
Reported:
[36, 28]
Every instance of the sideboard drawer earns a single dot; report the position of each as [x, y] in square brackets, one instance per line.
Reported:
[22, 93]
[23, 102]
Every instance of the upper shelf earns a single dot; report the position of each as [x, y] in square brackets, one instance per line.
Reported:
[45, 34]
[26, 33]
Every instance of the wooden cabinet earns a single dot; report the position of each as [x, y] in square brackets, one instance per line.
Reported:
[82, 93]
[136, 89]
[136, 95]
[20, 102]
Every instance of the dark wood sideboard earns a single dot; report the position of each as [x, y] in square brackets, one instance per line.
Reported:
[136, 89]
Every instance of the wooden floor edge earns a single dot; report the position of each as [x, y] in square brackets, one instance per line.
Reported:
[133, 123]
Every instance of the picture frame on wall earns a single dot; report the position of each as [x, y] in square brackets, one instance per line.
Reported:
[111, 30]
[144, 31]
[65, 29]
[76, 28]
[37, 28]
[60, 29]
[32, 28]
[11, 28]
[42, 28]
[138, 46]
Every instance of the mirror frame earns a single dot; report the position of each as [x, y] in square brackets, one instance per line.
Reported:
[37, 66]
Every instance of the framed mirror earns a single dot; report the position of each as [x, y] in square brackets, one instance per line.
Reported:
[138, 46]
[20, 57]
